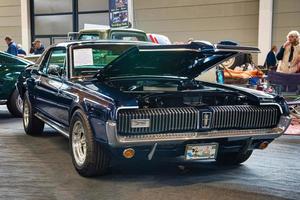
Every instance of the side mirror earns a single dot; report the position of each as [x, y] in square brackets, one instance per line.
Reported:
[54, 70]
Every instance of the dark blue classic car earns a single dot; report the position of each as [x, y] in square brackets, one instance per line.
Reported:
[133, 100]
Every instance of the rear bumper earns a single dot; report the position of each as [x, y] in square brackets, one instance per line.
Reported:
[115, 140]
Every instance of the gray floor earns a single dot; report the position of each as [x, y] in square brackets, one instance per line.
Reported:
[41, 168]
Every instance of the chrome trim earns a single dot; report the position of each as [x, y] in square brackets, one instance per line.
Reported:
[206, 122]
[162, 120]
[148, 76]
[52, 124]
[243, 116]
[192, 119]
[274, 104]
[236, 50]
[71, 94]
[2, 102]
[179, 49]
[151, 154]
[116, 140]
[124, 108]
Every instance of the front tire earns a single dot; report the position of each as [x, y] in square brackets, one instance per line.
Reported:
[89, 157]
[15, 104]
[234, 158]
[32, 125]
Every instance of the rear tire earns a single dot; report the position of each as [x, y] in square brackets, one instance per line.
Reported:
[15, 104]
[89, 157]
[234, 158]
[32, 125]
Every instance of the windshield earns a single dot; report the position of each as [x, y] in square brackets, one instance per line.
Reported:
[128, 36]
[87, 60]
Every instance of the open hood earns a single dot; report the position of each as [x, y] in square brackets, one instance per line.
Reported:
[187, 60]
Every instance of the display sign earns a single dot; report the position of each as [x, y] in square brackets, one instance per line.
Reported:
[83, 57]
[118, 13]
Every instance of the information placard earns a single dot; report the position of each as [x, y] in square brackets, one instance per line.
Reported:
[118, 13]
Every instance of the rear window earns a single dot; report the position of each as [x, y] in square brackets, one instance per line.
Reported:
[128, 36]
[89, 36]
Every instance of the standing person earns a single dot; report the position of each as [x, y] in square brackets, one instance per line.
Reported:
[271, 60]
[289, 53]
[12, 47]
[38, 47]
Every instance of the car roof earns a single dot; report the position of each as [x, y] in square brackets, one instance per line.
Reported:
[86, 42]
[110, 29]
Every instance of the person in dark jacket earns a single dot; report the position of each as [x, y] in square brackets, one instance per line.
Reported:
[21, 52]
[271, 60]
[12, 47]
[38, 47]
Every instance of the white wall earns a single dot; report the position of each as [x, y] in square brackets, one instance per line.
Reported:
[286, 17]
[10, 21]
[212, 20]
[265, 29]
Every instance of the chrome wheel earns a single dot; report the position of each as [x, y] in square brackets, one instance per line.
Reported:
[19, 104]
[79, 143]
[26, 114]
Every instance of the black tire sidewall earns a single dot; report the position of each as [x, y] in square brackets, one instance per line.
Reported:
[26, 101]
[12, 104]
[35, 126]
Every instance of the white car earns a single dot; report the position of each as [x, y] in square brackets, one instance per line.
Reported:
[158, 39]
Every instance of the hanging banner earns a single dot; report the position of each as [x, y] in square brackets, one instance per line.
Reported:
[118, 13]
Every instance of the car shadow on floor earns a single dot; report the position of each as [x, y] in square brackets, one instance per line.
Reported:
[159, 170]
[175, 169]
[4, 114]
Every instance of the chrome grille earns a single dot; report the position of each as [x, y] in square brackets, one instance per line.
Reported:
[244, 116]
[161, 120]
[170, 120]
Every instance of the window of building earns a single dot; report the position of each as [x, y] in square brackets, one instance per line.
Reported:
[51, 21]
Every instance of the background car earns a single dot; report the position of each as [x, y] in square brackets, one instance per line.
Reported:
[108, 33]
[10, 68]
[158, 38]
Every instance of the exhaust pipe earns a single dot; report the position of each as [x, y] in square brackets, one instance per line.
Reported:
[263, 145]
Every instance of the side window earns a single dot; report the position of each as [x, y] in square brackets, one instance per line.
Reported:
[55, 62]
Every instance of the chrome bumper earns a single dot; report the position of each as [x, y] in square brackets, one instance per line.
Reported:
[116, 140]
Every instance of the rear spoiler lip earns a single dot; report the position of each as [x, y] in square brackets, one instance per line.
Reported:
[236, 48]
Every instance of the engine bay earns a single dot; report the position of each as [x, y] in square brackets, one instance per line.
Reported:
[178, 93]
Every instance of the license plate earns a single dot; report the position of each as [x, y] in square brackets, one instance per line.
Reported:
[201, 151]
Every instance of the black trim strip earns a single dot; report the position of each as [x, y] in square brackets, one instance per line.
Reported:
[93, 12]
[51, 14]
